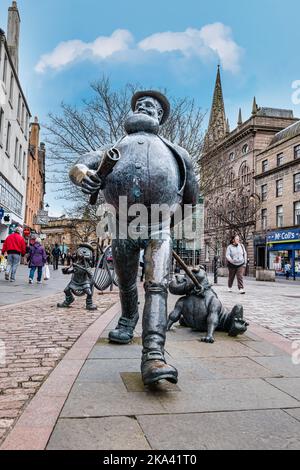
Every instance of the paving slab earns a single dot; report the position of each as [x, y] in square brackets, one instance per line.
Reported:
[105, 350]
[224, 431]
[234, 367]
[220, 348]
[295, 412]
[282, 365]
[88, 399]
[107, 371]
[113, 433]
[288, 385]
[267, 349]
[226, 395]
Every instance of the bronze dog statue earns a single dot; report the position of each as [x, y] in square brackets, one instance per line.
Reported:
[202, 310]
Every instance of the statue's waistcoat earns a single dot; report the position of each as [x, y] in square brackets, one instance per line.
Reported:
[147, 172]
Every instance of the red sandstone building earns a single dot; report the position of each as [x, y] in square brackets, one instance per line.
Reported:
[35, 176]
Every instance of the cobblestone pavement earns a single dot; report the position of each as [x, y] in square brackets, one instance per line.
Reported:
[273, 305]
[33, 339]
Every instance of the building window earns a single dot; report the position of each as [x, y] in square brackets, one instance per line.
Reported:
[206, 252]
[244, 173]
[4, 75]
[280, 158]
[20, 159]
[264, 192]
[26, 125]
[297, 213]
[279, 216]
[1, 125]
[264, 221]
[24, 163]
[19, 109]
[296, 182]
[279, 188]
[231, 156]
[16, 153]
[7, 147]
[23, 116]
[245, 149]
[264, 166]
[10, 197]
[297, 151]
[11, 89]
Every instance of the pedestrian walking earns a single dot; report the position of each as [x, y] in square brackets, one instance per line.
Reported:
[15, 247]
[37, 258]
[236, 260]
[287, 270]
[56, 253]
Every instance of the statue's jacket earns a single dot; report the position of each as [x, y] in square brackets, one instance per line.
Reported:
[151, 170]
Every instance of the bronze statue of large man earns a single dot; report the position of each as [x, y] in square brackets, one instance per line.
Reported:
[151, 170]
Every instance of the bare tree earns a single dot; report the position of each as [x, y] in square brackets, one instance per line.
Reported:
[83, 221]
[99, 123]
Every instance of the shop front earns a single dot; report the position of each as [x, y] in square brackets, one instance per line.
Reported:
[284, 250]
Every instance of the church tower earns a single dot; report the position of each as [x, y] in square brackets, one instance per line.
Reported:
[217, 127]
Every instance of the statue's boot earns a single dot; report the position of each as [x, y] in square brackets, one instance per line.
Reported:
[67, 302]
[89, 302]
[123, 333]
[154, 367]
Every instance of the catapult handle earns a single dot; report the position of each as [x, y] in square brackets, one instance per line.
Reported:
[110, 158]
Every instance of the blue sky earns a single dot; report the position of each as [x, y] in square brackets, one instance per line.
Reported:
[171, 44]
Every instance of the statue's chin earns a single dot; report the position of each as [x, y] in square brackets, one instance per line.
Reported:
[141, 123]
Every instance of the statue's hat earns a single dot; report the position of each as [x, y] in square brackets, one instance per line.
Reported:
[86, 245]
[163, 101]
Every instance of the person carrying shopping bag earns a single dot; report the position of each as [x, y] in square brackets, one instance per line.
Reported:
[36, 259]
[15, 247]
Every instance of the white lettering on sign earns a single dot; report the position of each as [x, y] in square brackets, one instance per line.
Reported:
[285, 236]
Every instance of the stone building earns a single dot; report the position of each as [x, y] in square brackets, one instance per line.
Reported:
[68, 232]
[228, 167]
[278, 185]
[35, 176]
[14, 128]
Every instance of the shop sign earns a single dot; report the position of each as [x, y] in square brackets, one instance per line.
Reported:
[284, 236]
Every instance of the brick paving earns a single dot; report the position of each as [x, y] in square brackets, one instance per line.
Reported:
[33, 339]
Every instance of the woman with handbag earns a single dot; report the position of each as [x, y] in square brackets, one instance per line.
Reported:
[37, 258]
[236, 260]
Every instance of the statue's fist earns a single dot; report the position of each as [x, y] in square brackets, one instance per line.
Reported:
[91, 183]
[87, 179]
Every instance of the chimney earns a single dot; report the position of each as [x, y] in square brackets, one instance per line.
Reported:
[34, 138]
[13, 34]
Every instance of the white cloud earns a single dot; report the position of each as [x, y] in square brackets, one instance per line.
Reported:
[213, 38]
[70, 51]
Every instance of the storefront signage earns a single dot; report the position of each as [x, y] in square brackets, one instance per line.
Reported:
[284, 236]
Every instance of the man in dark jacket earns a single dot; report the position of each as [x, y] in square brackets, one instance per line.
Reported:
[15, 247]
[56, 253]
[150, 171]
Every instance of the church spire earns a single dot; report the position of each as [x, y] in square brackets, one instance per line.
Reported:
[240, 119]
[217, 122]
[254, 107]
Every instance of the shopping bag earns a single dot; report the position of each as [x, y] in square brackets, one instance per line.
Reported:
[3, 264]
[46, 272]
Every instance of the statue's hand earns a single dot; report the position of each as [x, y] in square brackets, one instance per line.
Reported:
[87, 179]
[91, 183]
